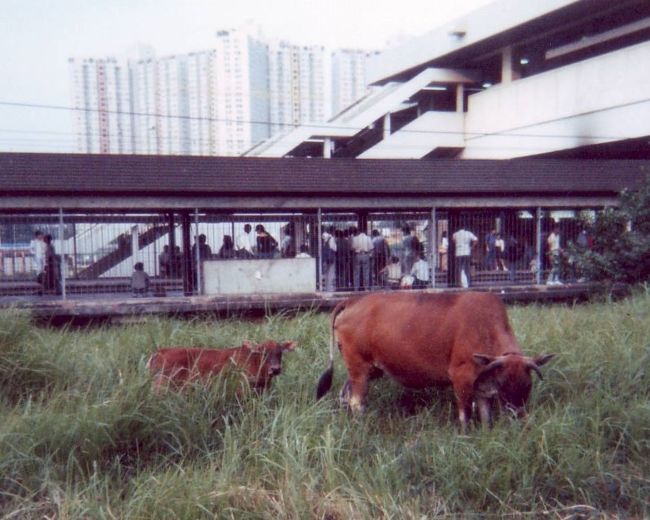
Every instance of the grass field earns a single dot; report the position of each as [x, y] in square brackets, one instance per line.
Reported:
[82, 436]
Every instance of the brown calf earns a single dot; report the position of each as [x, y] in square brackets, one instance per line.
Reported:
[423, 340]
[177, 366]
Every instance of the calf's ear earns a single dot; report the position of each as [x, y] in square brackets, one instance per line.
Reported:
[288, 345]
[250, 346]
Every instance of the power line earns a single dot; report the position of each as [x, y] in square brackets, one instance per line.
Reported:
[329, 126]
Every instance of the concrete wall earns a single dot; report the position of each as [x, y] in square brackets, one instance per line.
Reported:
[282, 275]
[599, 100]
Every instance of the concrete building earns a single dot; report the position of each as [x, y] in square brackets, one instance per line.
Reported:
[221, 101]
[560, 78]
[349, 79]
[100, 98]
[298, 79]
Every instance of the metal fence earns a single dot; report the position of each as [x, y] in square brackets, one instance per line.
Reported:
[70, 255]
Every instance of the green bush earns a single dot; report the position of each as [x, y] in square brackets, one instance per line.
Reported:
[621, 241]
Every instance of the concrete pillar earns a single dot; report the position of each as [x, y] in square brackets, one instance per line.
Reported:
[460, 98]
[327, 148]
[507, 73]
[386, 126]
[186, 264]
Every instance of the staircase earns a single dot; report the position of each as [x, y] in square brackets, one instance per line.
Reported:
[123, 251]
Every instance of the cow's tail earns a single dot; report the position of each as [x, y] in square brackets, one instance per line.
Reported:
[325, 381]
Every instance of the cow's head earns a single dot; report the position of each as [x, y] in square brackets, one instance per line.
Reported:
[508, 378]
[270, 353]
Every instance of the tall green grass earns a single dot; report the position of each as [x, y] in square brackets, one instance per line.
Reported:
[82, 435]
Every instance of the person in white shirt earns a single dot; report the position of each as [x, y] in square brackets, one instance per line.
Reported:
[555, 256]
[362, 248]
[329, 260]
[420, 272]
[244, 245]
[464, 240]
[442, 251]
[393, 273]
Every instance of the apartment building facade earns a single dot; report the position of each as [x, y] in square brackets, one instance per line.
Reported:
[221, 101]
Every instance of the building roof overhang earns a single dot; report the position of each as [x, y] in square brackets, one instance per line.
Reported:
[104, 182]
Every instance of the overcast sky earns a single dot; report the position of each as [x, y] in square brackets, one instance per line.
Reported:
[38, 36]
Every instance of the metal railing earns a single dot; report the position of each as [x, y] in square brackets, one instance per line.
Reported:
[69, 255]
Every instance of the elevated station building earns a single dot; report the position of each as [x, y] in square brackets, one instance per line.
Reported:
[559, 78]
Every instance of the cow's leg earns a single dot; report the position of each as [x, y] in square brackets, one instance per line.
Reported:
[484, 405]
[358, 374]
[158, 384]
[344, 394]
[464, 392]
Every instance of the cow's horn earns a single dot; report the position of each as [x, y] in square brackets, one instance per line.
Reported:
[531, 364]
[497, 363]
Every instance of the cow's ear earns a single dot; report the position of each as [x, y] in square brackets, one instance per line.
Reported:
[482, 359]
[543, 359]
[288, 345]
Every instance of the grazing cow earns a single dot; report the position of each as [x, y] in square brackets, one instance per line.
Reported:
[423, 340]
[179, 366]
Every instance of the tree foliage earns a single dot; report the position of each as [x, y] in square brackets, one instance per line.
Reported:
[619, 249]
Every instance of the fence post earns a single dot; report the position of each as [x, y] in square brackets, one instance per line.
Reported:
[319, 263]
[198, 252]
[538, 245]
[434, 246]
[63, 265]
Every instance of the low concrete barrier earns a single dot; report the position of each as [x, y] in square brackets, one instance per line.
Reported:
[263, 276]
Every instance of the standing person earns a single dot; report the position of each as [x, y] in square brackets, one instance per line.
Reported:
[464, 240]
[411, 249]
[37, 248]
[244, 246]
[329, 252]
[52, 272]
[513, 252]
[380, 256]
[139, 280]
[500, 249]
[491, 250]
[287, 250]
[443, 250]
[420, 272]
[204, 252]
[362, 249]
[343, 259]
[266, 244]
[177, 262]
[555, 256]
[227, 249]
[165, 262]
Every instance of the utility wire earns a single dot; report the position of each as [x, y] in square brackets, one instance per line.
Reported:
[329, 126]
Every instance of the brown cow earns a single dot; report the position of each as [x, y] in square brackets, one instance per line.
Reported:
[423, 340]
[179, 366]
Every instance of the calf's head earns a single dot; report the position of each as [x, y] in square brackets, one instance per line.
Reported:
[270, 357]
[508, 379]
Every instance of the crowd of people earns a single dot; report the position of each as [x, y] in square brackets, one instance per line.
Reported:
[354, 260]
[350, 258]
